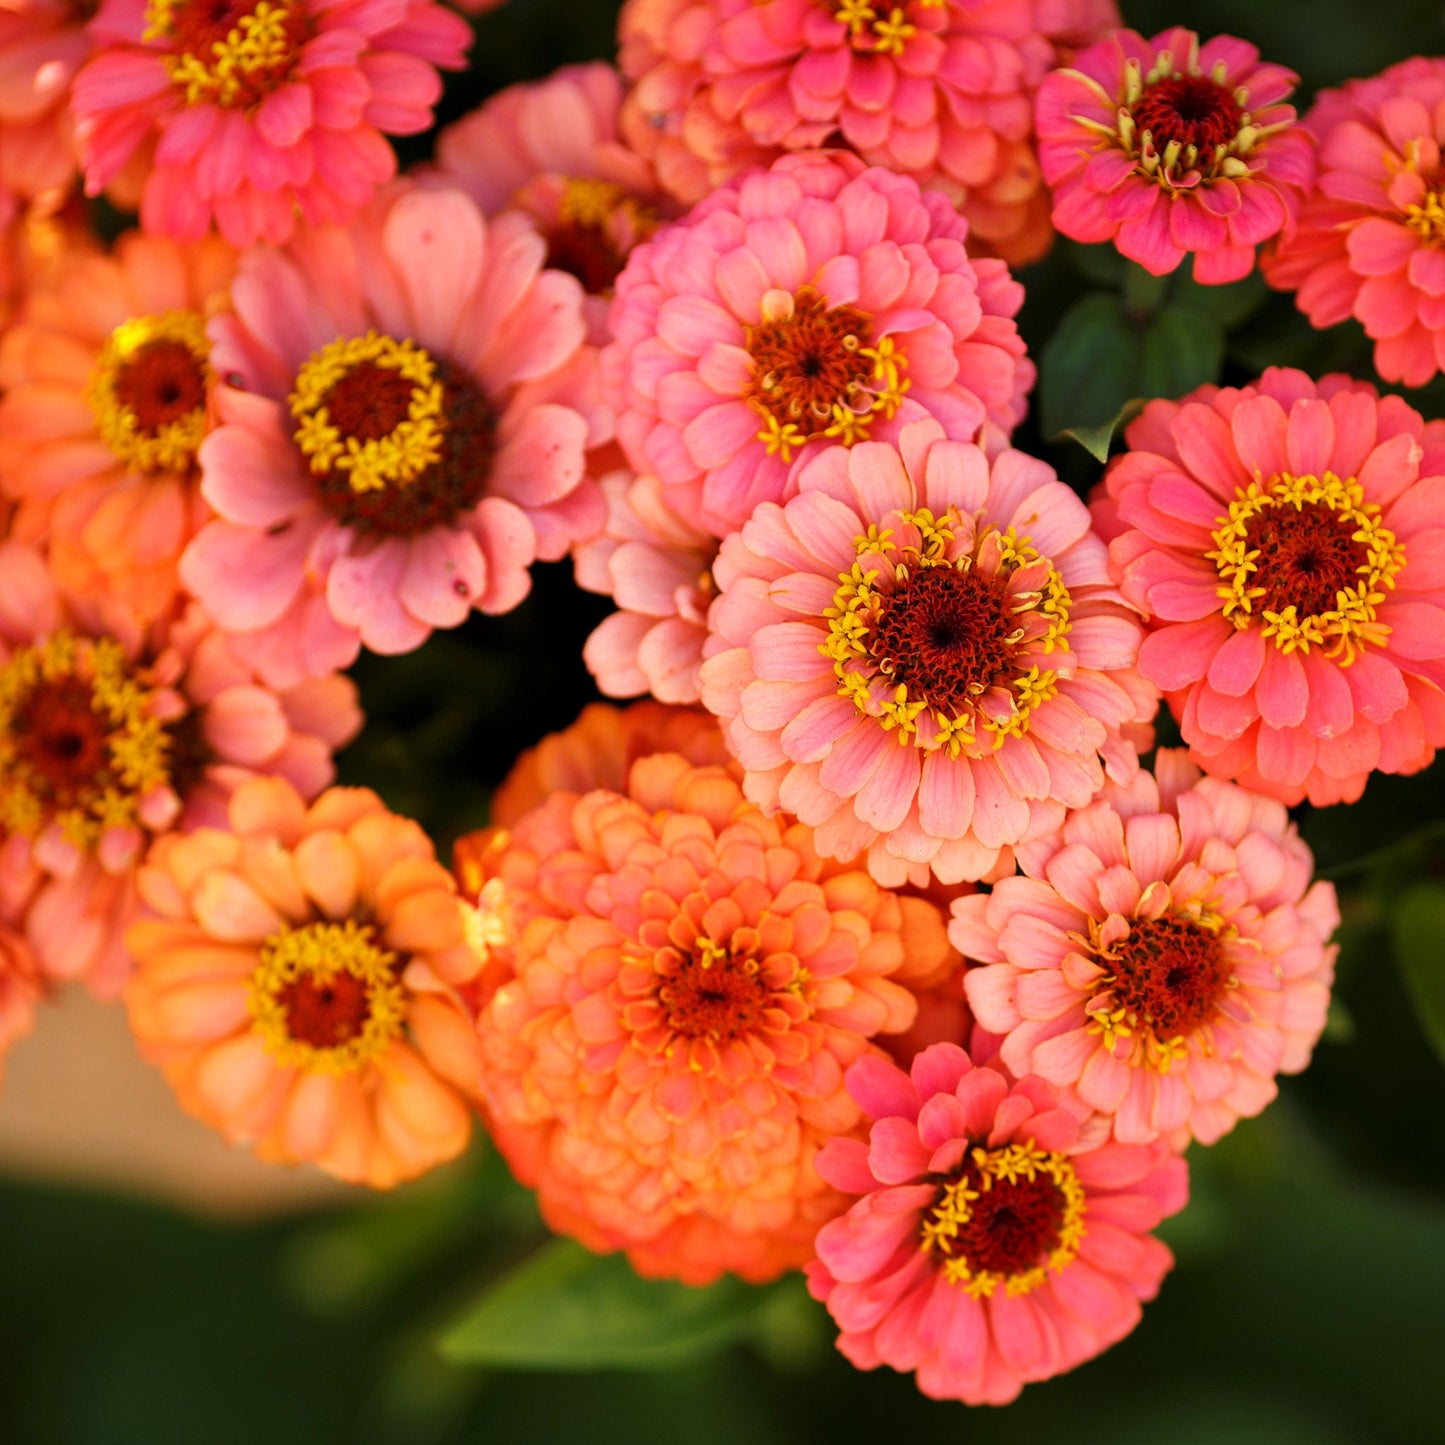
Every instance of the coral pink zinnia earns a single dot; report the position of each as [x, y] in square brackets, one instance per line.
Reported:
[402, 431]
[297, 979]
[815, 303]
[921, 655]
[1371, 236]
[258, 110]
[1285, 541]
[992, 1244]
[1164, 958]
[682, 983]
[1168, 147]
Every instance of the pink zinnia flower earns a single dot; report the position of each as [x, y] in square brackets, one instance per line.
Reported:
[681, 983]
[42, 44]
[111, 735]
[258, 109]
[550, 148]
[816, 303]
[1168, 147]
[402, 431]
[921, 656]
[107, 396]
[1164, 958]
[1284, 540]
[992, 1245]
[1370, 236]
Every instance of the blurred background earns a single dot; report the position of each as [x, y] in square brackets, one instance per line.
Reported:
[158, 1288]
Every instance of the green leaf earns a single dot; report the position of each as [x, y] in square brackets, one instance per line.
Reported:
[1182, 348]
[1418, 926]
[1089, 368]
[1228, 305]
[1096, 439]
[567, 1309]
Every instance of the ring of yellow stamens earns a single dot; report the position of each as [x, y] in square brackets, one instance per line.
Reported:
[1353, 622]
[957, 1207]
[876, 29]
[251, 58]
[399, 457]
[171, 445]
[91, 675]
[320, 959]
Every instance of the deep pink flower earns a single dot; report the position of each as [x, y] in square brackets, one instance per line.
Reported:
[258, 108]
[1370, 236]
[921, 656]
[1168, 147]
[402, 431]
[42, 44]
[994, 1243]
[1164, 958]
[817, 302]
[1285, 541]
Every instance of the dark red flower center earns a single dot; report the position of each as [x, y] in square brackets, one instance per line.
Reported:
[161, 382]
[325, 1015]
[230, 52]
[713, 992]
[59, 736]
[1013, 1226]
[1169, 971]
[1191, 109]
[1307, 555]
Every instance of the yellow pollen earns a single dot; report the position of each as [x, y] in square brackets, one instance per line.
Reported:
[1427, 221]
[170, 446]
[877, 29]
[406, 451]
[301, 973]
[253, 57]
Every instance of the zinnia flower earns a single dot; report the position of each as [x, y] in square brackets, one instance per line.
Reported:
[42, 44]
[921, 656]
[19, 975]
[550, 149]
[402, 431]
[107, 396]
[258, 109]
[682, 983]
[111, 735]
[1283, 539]
[1164, 958]
[1168, 147]
[1370, 236]
[992, 1245]
[298, 982]
[816, 303]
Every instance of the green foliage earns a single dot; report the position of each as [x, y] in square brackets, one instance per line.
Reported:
[1418, 929]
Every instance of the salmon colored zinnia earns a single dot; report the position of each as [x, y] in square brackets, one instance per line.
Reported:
[994, 1243]
[682, 983]
[42, 44]
[298, 980]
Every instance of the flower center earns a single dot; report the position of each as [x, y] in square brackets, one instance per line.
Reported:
[940, 637]
[80, 745]
[1011, 1216]
[326, 998]
[1427, 219]
[232, 53]
[1163, 981]
[1190, 109]
[816, 376]
[1309, 557]
[879, 29]
[399, 441]
[714, 990]
[598, 223]
[148, 390]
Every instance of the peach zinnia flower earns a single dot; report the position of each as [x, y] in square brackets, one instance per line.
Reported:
[19, 973]
[42, 44]
[107, 390]
[258, 109]
[922, 657]
[1168, 147]
[992, 1245]
[682, 983]
[816, 303]
[1371, 237]
[1164, 958]
[111, 735]
[1284, 540]
[402, 429]
[298, 983]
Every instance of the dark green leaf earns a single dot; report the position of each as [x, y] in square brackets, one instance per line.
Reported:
[568, 1309]
[1182, 349]
[1228, 305]
[1089, 368]
[1418, 925]
[1096, 439]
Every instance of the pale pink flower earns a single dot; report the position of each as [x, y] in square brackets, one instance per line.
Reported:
[258, 110]
[111, 735]
[1169, 147]
[403, 426]
[42, 44]
[994, 1243]
[1370, 236]
[921, 656]
[817, 303]
[1284, 540]
[1164, 958]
